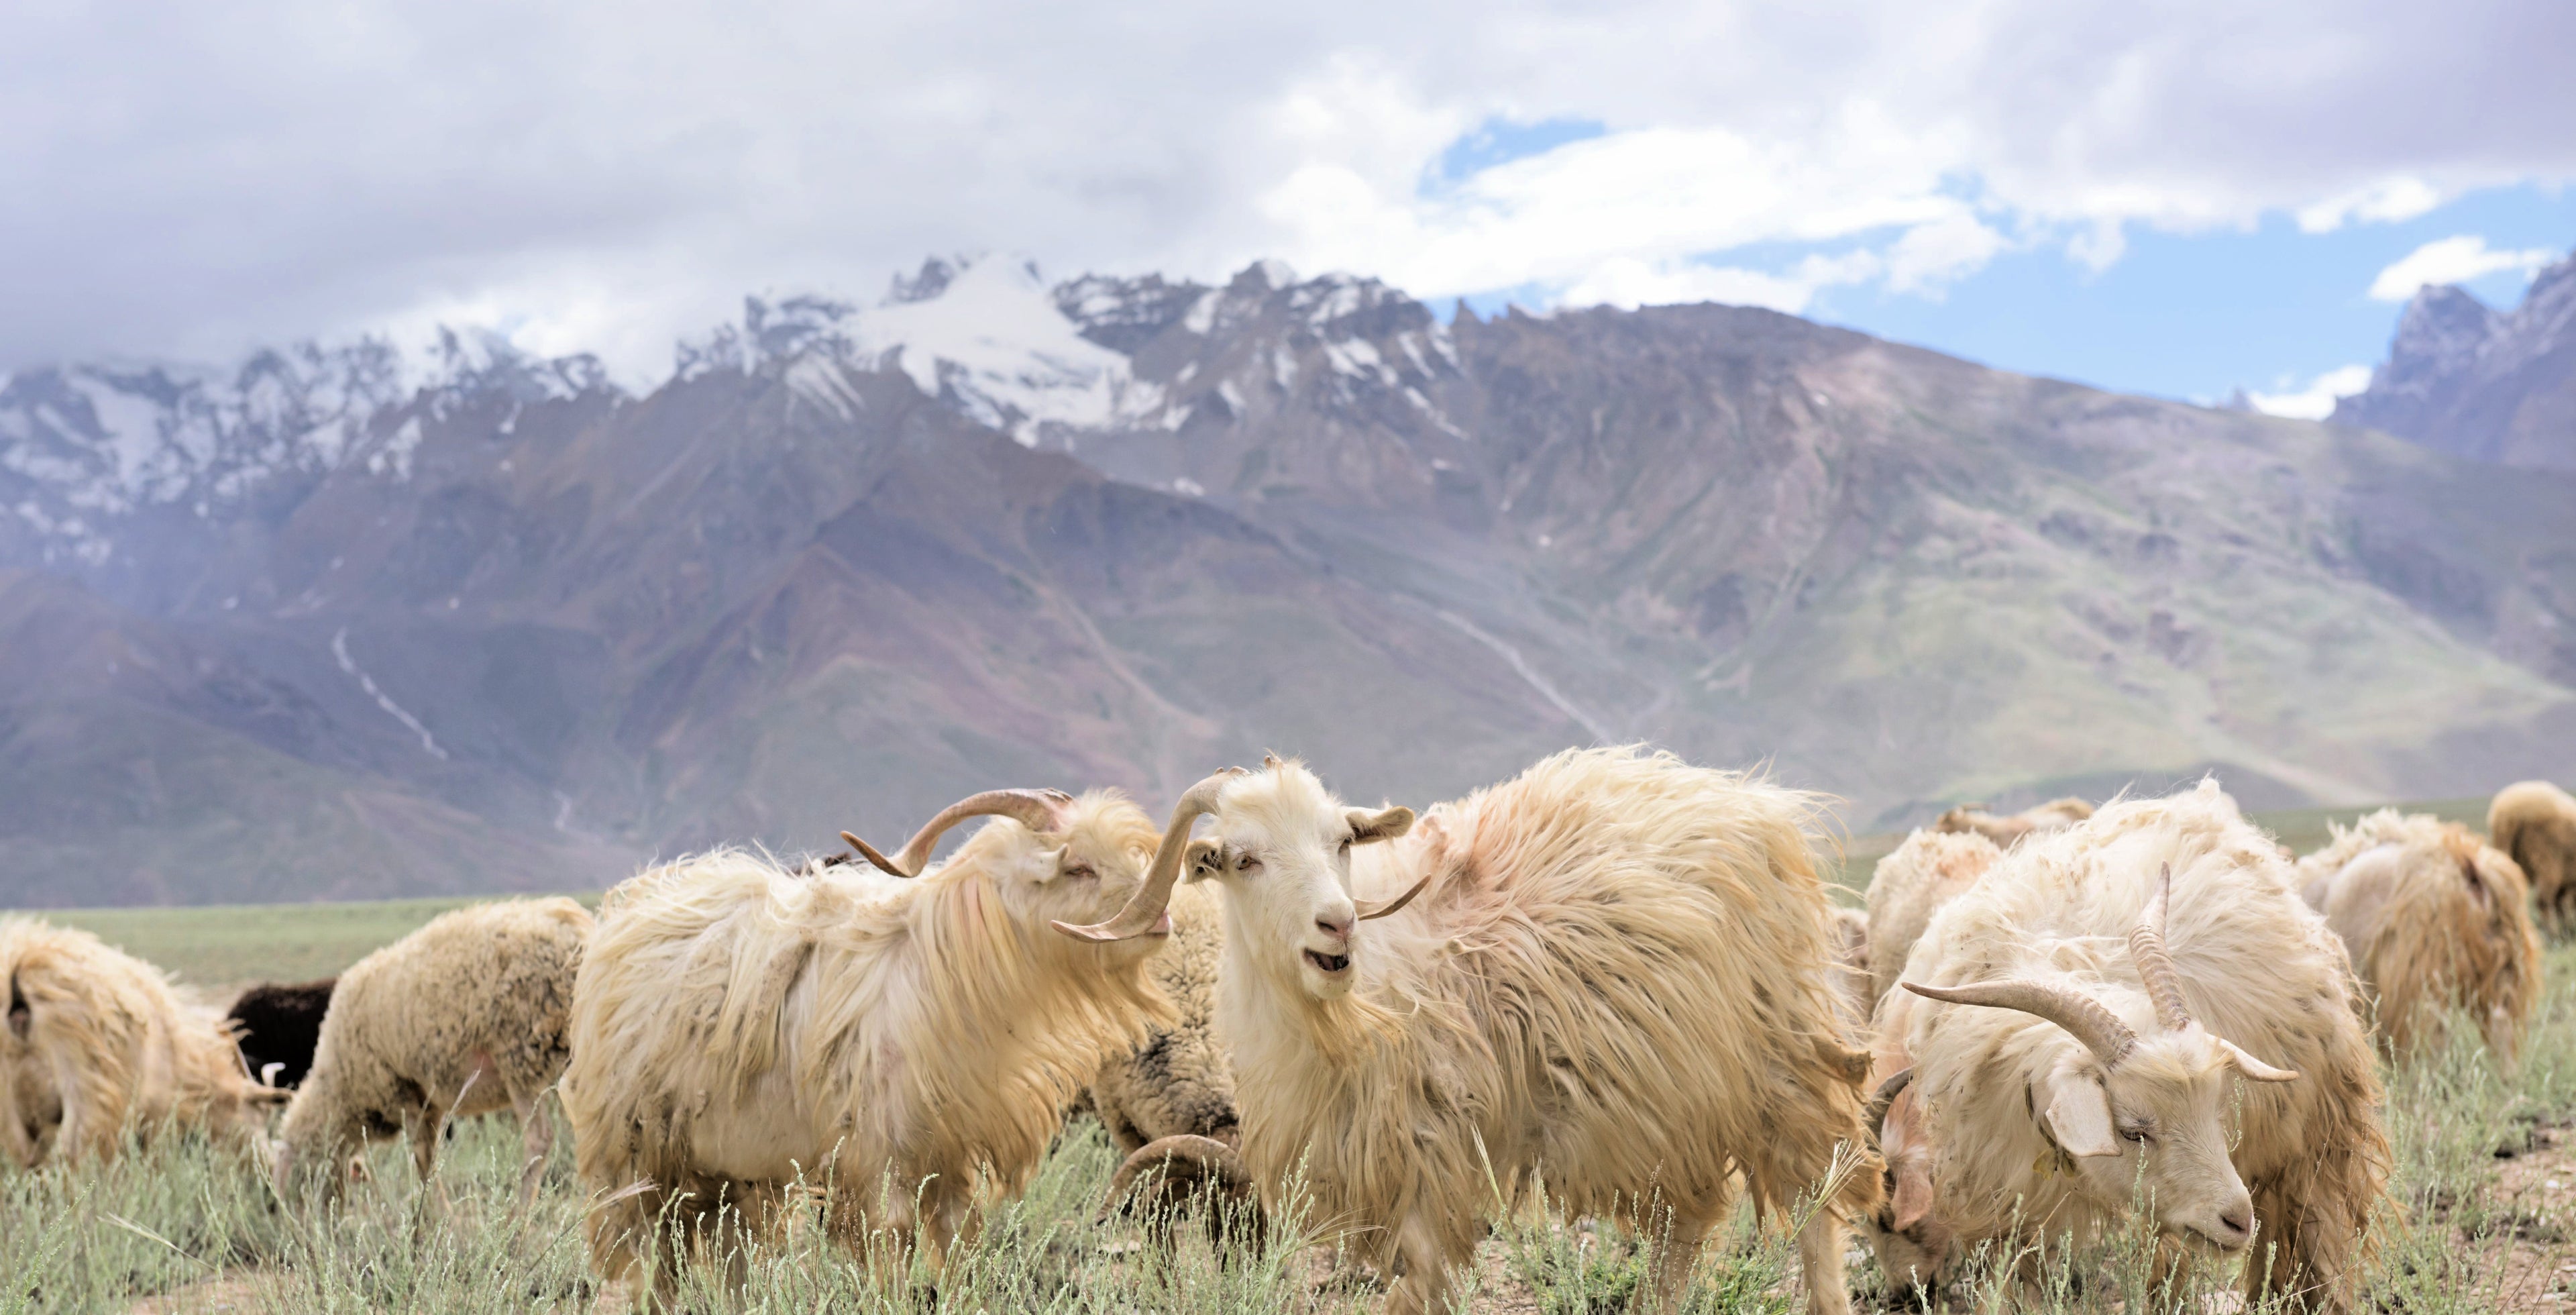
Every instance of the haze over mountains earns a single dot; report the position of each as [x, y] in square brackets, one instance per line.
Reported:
[335, 623]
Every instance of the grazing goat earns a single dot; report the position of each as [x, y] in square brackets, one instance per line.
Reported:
[278, 1026]
[465, 1016]
[1909, 1237]
[1908, 886]
[740, 1029]
[2059, 1076]
[2534, 822]
[1615, 981]
[99, 1043]
[2055, 815]
[2434, 920]
[1169, 1105]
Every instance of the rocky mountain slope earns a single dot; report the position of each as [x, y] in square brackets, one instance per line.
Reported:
[2477, 382]
[345, 623]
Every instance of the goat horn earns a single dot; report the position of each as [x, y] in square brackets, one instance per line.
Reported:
[1038, 810]
[1146, 909]
[2098, 1028]
[2155, 967]
[1370, 908]
[1885, 1096]
[1210, 1157]
[2252, 1067]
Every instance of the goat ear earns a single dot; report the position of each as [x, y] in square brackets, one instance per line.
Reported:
[1368, 827]
[1913, 1195]
[1201, 860]
[2079, 1114]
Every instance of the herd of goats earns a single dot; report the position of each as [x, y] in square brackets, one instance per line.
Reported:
[1618, 970]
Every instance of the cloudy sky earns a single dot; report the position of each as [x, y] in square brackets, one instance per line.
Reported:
[2173, 198]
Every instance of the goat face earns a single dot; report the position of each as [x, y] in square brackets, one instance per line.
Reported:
[1082, 869]
[2154, 1129]
[1281, 848]
[2130, 1111]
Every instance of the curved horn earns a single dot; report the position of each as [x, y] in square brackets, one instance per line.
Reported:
[1145, 910]
[1206, 1156]
[1038, 810]
[2155, 967]
[2252, 1067]
[1885, 1096]
[1370, 908]
[2098, 1028]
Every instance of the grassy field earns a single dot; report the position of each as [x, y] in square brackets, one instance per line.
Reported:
[2485, 1192]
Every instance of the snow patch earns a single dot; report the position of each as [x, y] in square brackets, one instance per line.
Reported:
[1202, 316]
[822, 383]
[991, 339]
[349, 665]
[397, 450]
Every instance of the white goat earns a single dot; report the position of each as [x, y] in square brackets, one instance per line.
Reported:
[738, 1027]
[1616, 976]
[2434, 920]
[464, 1016]
[100, 1044]
[2070, 1029]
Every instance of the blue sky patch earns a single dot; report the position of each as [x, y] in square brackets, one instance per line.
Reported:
[1501, 141]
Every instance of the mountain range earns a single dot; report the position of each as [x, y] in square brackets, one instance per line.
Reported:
[2479, 382]
[347, 621]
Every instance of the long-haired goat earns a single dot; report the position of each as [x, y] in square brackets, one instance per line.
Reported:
[1169, 1105]
[99, 1043]
[2005, 829]
[2434, 920]
[1908, 886]
[1616, 976]
[464, 1016]
[2534, 822]
[2078, 1019]
[739, 1028]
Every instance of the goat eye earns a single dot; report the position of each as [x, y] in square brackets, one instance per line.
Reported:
[1079, 870]
[1245, 862]
[1346, 844]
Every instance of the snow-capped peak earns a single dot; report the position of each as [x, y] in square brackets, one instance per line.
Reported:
[84, 445]
[989, 335]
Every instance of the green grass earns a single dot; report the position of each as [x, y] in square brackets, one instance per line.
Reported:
[258, 942]
[178, 1217]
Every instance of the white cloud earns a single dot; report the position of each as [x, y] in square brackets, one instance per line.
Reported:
[2450, 260]
[2387, 201]
[2316, 401]
[631, 167]
[1628, 283]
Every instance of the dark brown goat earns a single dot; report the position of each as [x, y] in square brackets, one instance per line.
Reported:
[279, 1023]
